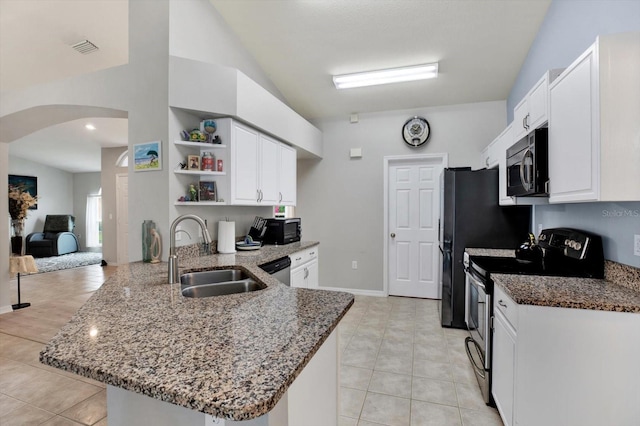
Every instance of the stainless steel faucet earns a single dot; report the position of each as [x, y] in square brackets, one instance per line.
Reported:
[174, 275]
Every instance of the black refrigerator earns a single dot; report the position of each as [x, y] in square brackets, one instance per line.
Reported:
[470, 216]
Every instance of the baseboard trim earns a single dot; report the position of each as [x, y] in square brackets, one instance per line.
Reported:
[374, 293]
[5, 309]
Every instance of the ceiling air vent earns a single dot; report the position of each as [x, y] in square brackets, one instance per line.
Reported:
[85, 47]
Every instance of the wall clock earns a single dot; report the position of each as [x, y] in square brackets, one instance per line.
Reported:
[416, 131]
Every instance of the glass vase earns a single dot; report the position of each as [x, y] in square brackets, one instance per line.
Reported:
[17, 227]
[147, 226]
[17, 231]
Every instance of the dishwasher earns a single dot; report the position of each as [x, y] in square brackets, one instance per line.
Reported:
[280, 269]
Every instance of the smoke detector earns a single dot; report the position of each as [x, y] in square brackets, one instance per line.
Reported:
[85, 47]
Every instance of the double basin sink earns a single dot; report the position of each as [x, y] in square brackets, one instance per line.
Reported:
[218, 282]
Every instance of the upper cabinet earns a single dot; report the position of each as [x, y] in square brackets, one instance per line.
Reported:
[594, 124]
[287, 176]
[263, 170]
[532, 111]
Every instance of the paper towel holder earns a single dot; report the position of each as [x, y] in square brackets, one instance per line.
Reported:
[226, 236]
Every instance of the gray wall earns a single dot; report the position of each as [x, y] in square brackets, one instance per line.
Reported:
[55, 191]
[567, 30]
[340, 200]
[84, 184]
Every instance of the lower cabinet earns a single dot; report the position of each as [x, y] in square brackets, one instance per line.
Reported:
[561, 366]
[504, 362]
[304, 268]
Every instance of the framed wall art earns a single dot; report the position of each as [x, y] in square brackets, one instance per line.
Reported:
[147, 156]
[26, 183]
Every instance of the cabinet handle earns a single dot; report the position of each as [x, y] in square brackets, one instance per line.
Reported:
[298, 258]
[501, 303]
[312, 253]
[306, 273]
[486, 161]
[257, 195]
[524, 119]
[280, 200]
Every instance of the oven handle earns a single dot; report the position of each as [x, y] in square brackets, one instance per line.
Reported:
[480, 371]
[475, 280]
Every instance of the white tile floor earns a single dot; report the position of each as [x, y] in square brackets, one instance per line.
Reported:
[400, 367]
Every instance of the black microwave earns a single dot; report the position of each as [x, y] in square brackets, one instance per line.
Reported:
[528, 165]
[282, 231]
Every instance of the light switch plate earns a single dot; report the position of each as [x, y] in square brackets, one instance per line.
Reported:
[636, 245]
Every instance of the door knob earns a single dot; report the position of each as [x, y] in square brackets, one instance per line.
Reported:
[393, 235]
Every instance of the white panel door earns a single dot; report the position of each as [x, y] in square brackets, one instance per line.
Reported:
[414, 203]
[244, 170]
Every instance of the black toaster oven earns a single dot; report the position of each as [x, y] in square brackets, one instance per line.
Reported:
[282, 231]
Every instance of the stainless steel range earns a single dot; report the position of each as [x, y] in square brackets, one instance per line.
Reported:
[564, 252]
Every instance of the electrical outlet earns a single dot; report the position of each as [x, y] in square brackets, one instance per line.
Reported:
[354, 264]
[636, 245]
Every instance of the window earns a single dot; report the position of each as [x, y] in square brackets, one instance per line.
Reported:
[94, 220]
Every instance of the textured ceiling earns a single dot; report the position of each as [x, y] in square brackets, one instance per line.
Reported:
[479, 44]
[300, 44]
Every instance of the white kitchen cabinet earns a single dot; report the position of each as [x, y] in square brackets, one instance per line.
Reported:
[504, 355]
[304, 268]
[532, 111]
[244, 164]
[269, 153]
[263, 170]
[594, 125]
[503, 142]
[561, 366]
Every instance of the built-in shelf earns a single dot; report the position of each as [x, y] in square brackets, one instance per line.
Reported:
[199, 172]
[200, 203]
[200, 144]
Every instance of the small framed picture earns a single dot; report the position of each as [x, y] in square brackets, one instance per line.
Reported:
[193, 162]
[208, 191]
[147, 156]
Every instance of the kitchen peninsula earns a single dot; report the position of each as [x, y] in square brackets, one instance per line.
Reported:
[258, 358]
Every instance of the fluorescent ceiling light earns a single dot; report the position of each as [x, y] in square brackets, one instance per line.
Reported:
[90, 126]
[393, 75]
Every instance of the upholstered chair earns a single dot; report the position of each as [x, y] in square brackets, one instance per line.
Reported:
[56, 239]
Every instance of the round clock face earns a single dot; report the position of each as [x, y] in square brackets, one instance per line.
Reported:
[416, 131]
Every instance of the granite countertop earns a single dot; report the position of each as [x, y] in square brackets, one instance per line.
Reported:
[569, 292]
[491, 252]
[229, 356]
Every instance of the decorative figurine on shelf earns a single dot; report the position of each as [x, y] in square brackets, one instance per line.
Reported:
[216, 139]
[193, 193]
[185, 135]
[156, 246]
[209, 126]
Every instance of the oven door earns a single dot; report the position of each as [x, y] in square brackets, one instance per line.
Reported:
[478, 322]
[478, 311]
